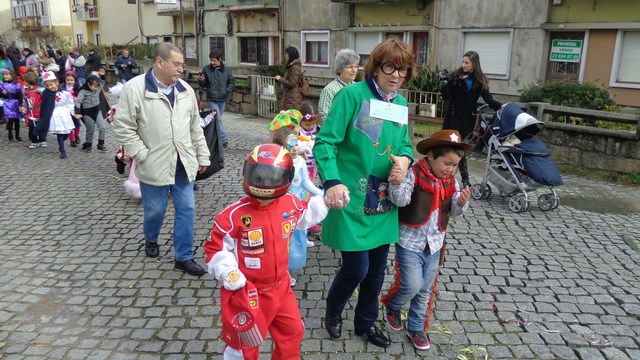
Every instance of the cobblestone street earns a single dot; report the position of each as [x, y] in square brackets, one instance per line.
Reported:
[75, 282]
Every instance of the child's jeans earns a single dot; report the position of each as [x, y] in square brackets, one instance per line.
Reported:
[418, 271]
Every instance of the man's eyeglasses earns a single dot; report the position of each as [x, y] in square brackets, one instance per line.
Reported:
[177, 65]
[389, 68]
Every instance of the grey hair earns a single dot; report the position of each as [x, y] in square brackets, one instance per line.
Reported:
[345, 57]
[165, 49]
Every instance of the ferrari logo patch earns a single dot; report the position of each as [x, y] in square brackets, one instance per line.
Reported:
[246, 220]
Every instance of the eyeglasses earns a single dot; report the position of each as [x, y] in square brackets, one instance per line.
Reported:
[177, 65]
[352, 67]
[389, 68]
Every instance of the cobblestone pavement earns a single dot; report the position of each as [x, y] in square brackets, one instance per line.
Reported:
[75, 284]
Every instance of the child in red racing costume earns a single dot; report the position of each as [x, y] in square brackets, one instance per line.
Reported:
[250, 242]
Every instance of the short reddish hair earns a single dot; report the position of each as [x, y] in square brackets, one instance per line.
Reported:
[395, 50]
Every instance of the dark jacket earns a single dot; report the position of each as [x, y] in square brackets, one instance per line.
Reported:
[93, 62]
[291, 95]
[462, 105]
[125, 70]
[218, 82]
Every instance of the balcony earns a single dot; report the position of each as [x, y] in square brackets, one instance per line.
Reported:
[86, 12]
[188, 8]
[27, 23]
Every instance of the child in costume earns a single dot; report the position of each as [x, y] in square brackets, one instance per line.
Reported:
[55, 112]
[248, 247]
[33, 101]
[427, 197]
[285, 118]
[309, 128]
[92, 108]
[301, 182]
[71, 85]
[11, 93]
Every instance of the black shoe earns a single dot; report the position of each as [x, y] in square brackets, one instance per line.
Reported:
[333, 324]
[376, 337]
[190, 267]
[101, 147]
[119, 165]
[152, 249]
[225, 143]
[73, 144]
[18, 138]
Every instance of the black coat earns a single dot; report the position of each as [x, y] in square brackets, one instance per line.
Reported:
[93, 62]
[461, 106]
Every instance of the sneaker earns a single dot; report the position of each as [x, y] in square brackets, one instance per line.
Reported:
[33, 145]
[419, 339]
[293, 281]
[63, 155]
[394, 320]
[310, 243]
[315, 229]
[43, 144]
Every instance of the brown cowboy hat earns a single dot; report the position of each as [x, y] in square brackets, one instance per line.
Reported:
[450, 138]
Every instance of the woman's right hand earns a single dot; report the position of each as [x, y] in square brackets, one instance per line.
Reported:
[337, 196]
[277, 77]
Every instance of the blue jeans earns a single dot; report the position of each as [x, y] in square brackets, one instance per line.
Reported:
[154, 202]
[364, 268]
[418, 271]
[218, 106]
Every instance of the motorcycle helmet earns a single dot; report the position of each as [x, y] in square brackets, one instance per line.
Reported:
[267, 172]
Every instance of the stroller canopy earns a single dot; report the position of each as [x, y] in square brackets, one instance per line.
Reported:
[512, 120]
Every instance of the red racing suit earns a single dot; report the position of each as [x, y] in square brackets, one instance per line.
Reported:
[254, 238]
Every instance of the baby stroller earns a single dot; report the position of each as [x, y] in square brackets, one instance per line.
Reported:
[517, 163]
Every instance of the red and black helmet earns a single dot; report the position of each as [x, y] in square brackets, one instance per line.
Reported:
[267, 172]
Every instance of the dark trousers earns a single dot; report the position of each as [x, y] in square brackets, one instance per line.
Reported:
[13, 124]
[364, 268]
[32, 135]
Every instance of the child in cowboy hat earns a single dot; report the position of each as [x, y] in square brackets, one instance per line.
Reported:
[427, 197]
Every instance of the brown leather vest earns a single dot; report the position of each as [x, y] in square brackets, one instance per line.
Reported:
[416, 213]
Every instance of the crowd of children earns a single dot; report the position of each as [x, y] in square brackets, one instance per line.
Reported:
[37, 98]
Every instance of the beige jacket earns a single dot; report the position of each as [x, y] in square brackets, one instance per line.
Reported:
[155, 133]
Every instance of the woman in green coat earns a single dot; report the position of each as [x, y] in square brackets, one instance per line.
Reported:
[363, 145]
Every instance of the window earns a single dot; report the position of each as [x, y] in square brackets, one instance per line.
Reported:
[217, 43]
[131, 1]
[421, 48]
[365, 42]
[315, 48]
[494, 48]
[254, 50]
[626, 72]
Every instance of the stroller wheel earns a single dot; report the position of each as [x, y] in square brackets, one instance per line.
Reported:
[546, 202]
[517, 203]
[486, 193]
[476, 191]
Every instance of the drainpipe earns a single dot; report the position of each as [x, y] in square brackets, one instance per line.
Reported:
[435, 25]
[282, 17]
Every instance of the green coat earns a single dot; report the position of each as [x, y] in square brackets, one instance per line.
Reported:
[345, 150]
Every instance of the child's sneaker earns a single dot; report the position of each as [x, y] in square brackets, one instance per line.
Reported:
[43, 144]
[33, 146]
[293, 281]
[419, 339]
[310, 243]
[394, 320]
[315, 229]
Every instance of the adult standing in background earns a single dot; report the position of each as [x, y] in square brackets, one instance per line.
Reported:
[125, 63]
[93, 62]
[61, 60]
[462, 89]
[29, 59]
[159, 125]
[291, 95]
[50, 53]
[219, 82]
[363, 145]
[44, 59]
[346, 64]
[78, 63]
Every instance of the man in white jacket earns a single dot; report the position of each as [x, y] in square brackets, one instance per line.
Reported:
[159, 125]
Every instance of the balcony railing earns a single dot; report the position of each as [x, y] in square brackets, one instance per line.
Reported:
[27, 23]
[188, 8]
[86, 12]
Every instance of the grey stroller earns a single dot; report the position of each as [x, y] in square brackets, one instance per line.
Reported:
[517, 163]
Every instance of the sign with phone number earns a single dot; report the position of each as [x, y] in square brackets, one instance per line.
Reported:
[565, 50]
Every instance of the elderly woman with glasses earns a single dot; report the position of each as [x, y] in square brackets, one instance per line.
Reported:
[363, 145]
[346, 64]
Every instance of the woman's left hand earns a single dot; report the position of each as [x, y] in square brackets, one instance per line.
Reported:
[399, 169]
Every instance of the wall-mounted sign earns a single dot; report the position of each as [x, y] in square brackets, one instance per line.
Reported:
[165, 1]
[565, 50]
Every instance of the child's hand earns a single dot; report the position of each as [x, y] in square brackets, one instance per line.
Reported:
[399, 169]
[77, 116]
[465, 194]
[233, 280]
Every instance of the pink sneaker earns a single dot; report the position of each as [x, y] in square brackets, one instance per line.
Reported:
[315, 229]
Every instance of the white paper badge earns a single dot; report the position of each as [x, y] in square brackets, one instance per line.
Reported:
[388, 111]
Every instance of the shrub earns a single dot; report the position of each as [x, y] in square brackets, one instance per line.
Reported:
[426, 79]
[586, 95]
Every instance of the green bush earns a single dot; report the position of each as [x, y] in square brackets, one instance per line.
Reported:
[426, 79]
[586, 95]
